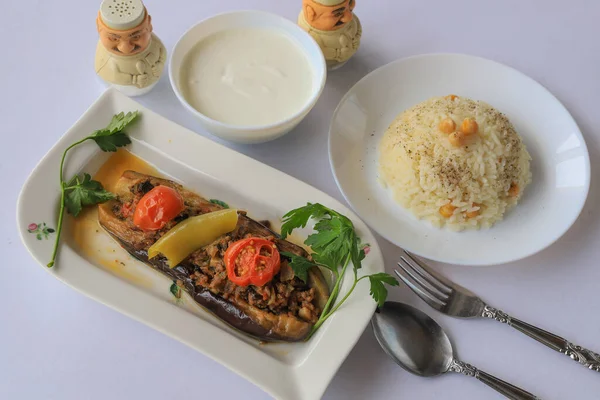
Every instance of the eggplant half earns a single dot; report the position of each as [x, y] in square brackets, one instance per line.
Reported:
[284, 309]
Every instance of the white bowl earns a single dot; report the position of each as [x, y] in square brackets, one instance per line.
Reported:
[249, 19]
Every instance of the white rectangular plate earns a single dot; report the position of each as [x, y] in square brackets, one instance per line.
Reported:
[286, 371]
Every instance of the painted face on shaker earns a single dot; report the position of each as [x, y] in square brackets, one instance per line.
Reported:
[328, 18]
[127, 42]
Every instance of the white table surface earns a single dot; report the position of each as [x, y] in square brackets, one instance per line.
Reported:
[57, 344]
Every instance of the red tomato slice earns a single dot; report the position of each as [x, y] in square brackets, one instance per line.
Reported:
[252, 261]
[157, 208]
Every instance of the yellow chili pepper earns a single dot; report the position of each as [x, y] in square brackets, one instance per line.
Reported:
[192, 234]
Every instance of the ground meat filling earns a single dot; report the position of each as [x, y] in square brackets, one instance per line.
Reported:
[285, 294]
[291, 297]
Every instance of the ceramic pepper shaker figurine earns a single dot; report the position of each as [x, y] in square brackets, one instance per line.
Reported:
[128, 56]
[334, 26]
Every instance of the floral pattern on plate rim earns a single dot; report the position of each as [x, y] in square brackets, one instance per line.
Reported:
[366, 248]
[40, 230]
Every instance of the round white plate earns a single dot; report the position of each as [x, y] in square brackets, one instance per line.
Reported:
[560, 166]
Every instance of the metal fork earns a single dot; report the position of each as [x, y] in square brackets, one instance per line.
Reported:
[457, 301]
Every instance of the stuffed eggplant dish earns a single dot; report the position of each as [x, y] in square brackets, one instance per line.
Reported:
[228, 263]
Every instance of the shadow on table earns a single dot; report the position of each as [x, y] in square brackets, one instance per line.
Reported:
[362, 372]
[341, 80]
[367, 367]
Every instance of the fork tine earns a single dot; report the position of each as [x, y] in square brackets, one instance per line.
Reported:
[422, 282]
[427, 277]
[426, 297]
[428, 270]
[420, 279]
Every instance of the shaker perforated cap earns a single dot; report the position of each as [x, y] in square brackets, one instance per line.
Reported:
[329, 3]
[122, 14]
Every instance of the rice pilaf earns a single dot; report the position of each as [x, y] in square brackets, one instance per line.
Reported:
[454, 161]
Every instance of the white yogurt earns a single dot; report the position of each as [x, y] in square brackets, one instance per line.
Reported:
[247, 76]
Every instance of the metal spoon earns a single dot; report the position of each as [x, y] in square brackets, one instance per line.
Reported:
[420, 346]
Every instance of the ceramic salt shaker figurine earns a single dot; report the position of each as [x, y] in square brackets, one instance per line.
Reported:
[334, 26]
[128, 56]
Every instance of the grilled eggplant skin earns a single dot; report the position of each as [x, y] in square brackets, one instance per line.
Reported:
[256, 322]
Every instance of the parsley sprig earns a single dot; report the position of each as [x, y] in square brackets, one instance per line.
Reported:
[335, 245]
[83, 191]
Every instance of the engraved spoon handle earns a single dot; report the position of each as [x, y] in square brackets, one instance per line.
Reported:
[583, 356]
[509, 391]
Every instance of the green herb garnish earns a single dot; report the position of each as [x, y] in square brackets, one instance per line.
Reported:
[175, 290]
[83, 191]
[219, 203]
[334, 245]
[300, 265]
